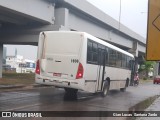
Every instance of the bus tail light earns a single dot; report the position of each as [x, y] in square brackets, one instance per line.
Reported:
[37, 67]
[80, 71]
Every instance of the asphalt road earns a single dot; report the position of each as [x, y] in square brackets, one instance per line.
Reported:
[52, 99]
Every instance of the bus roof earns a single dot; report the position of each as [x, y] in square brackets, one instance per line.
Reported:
[94, 39]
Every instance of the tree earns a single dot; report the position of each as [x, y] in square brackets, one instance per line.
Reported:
[146, 67]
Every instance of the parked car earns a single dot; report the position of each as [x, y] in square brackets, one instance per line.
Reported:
[156, 80]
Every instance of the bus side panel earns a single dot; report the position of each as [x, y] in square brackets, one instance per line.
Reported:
[91, 77]
[118, 77]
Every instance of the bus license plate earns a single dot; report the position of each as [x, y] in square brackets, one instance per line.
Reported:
[57, 74]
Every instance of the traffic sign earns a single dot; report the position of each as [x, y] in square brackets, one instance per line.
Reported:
[153, 31]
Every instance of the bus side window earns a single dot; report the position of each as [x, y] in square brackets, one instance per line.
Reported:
[101, 54]
[119, 59]
[127, 62]
[130, 62]
[101, 47]
[92, 52]
[107, 58]
[124, 61]
[89, 51]
[112, 57]
[94, 48]
[95, 52]
[89, 46]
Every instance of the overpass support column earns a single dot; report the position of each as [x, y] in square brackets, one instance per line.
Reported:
[134, 51]
[1, 59]
[61, 18]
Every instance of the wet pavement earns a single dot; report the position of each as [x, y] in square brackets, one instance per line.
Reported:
[52, 99]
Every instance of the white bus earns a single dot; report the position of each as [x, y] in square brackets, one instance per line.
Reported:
[79, 61]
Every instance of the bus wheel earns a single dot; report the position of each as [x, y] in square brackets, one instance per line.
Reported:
[70, 94]
[123, 89]
[71, 90]
[126, 85]
[105, 89]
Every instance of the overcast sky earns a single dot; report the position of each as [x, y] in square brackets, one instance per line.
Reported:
[133, 12]
[133, 15]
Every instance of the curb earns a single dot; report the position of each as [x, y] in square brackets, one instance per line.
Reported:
[11, 86]
[21, 86]
[155, 106]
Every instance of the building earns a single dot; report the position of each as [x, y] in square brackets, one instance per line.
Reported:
[20, 64]
[30, 66]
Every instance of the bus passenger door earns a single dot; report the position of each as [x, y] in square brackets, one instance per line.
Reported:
[133, 70]
[101, 68]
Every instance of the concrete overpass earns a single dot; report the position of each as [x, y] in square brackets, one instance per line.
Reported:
[22, 20]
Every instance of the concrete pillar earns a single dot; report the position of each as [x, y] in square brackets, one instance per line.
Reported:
[61, 17]
[134, 49]
[1, 59]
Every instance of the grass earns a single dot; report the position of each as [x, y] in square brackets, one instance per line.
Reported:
[17, 78]
[145, 81]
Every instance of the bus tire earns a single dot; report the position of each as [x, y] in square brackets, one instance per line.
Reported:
[70, 94]
[126, 85]
[127, 82]
[123, 89]
[105, 89]
[71, 90]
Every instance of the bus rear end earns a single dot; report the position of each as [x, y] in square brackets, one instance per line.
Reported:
[58, 60]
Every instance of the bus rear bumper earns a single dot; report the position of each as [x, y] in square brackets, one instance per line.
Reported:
[64, 83]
